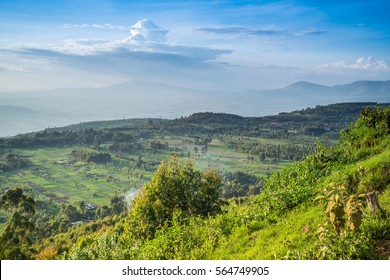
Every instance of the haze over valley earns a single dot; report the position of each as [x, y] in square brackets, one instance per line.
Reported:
[27, 111]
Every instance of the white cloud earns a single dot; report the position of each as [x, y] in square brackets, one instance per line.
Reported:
[241, 30]
[146, 30]
[145, 37]
[310, 31]
[12, 63]
[21, 69]
[362, 63]
[145, 54]
[264, 31]
[98, 26]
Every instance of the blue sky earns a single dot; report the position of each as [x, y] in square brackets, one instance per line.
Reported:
[196, 44]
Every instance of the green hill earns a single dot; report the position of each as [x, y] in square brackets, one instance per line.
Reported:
[284, 221]
[58, 204]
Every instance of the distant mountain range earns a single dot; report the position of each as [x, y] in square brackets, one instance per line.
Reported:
[34, 110]
[310, 94]
[357, 89]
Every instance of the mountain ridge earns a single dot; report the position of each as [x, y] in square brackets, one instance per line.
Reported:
[296, 85]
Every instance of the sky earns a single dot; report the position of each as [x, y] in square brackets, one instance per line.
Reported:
[216, 45]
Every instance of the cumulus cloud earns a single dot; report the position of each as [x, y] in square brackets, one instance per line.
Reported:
[241, 30]
[362, 63]
[146, 30]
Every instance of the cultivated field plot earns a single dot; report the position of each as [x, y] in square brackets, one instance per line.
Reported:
[53, 173]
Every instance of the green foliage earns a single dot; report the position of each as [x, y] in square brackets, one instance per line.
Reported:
[179, 214]
[13, 161]
[174, 187]
[240, 184]
[278, 151]
[90, 156]
[375, 174]
[334, 209]
[71, 212]
[14, 199]
[345, 213]
[16, 238]
[97, 247]
[59, 245]
[292, 186]
[342, 209]
[368, 130]
[182, 238]
[354, 211]
[117, 205]
[352, 236]
[345, 246]
[370, 242]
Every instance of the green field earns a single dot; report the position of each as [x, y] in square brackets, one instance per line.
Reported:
[52, 173]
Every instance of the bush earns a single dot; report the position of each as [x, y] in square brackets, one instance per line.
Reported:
[174, 187]
[90, 156]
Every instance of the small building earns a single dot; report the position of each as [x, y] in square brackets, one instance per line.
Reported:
[143, 132]
[89, 206]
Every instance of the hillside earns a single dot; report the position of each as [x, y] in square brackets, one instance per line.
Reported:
[282, 221]
[333, 116]
[64, 193]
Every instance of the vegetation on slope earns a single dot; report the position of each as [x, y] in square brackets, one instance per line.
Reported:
[282, 221]
[314, 209]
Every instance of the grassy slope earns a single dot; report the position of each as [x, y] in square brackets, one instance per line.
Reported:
[294, 234]
[243, 232]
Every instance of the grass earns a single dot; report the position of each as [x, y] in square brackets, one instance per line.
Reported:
[69, 182]
[294, 232]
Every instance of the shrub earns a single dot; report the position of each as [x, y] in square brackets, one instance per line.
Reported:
[174, 187]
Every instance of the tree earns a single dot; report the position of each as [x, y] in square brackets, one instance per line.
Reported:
[262, 156]
[96, 142]
[16, 238]
[118, 205]
[174, 188]
[71, 213]
[81, 206]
